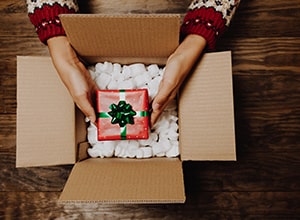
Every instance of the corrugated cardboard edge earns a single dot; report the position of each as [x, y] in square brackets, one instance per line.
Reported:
[116, 180]
[206, 110]
[123, 38]
[45, 130]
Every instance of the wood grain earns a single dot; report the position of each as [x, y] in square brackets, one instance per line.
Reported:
[210, 205]
[265, 181]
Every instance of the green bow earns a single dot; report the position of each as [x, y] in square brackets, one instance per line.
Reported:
[122, 113]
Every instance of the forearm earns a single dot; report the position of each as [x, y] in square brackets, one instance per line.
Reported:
[44, 16]
[184, 57]
[209, 18]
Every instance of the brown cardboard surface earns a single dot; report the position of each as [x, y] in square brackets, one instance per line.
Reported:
[123, 38]
[45, 115]
[206, 113]
[115, 180]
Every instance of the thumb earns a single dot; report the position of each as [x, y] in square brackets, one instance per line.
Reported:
[156, 111]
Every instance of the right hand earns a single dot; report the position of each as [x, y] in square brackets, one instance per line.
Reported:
[73, 74]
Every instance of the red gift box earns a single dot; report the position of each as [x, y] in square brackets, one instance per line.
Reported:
[123, 114]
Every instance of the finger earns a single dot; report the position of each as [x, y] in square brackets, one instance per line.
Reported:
[85, 105]
[159, 103]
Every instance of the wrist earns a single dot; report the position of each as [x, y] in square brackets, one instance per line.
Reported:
[196, 40]
[57, 41]
[60, 48]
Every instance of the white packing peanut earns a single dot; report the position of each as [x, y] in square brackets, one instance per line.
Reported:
[147, 152]
[136, 69]
[132, 148]
[162, 154]
[139, 153]
[107, 67]
[98, 67]
[108, 148]
[92, 134]
[174, 127]
[103, 80]
[153, 70]
[141, 79]
[118, 150]
[123, 148]
[153, 86]
[117, 68]
[173, 151]
[117, 76]
[161, 147]
[113, 85]
[162, 125]
[172, 134]
[126, 72]
[127, 84]
[93, 152]
[152, 138]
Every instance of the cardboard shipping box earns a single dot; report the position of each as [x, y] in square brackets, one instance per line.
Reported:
[50, 131]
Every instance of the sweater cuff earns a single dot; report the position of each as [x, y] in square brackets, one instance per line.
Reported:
[206, 22]
[46, 21]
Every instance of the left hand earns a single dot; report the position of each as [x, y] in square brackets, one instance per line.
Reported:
[178, 66]
[73, 74]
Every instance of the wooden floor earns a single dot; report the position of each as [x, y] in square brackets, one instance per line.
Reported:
[265, 181]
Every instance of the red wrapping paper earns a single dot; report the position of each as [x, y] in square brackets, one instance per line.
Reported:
[138, 100]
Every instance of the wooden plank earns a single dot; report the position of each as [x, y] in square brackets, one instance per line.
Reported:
[209, 205]
[43, 179]
[266, 54]
[257, 171]
[253, 19]
[7, 133]
[266, 19]
[8, 102]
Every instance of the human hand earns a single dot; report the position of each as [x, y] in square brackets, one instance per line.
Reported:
[177, 68]
[73, 74]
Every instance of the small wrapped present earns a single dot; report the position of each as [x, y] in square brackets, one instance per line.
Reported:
[123, 114]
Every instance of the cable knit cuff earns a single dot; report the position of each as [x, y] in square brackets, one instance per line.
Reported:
[206, 22]
[46, 21]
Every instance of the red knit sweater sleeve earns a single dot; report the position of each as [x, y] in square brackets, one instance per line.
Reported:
[208, 18]
[44, 16]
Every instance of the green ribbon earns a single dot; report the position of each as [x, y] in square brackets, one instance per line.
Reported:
[122, 114]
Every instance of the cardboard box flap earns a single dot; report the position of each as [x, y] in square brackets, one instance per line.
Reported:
[206, 112]
[129, 38]
[45, 130]
[115, 180]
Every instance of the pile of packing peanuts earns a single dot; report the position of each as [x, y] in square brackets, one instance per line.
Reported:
[163, 139]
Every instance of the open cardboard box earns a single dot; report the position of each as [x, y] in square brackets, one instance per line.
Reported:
[50, 131]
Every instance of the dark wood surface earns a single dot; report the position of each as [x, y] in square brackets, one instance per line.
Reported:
[265, 181]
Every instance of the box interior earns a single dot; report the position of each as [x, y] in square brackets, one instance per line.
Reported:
[130, 38]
